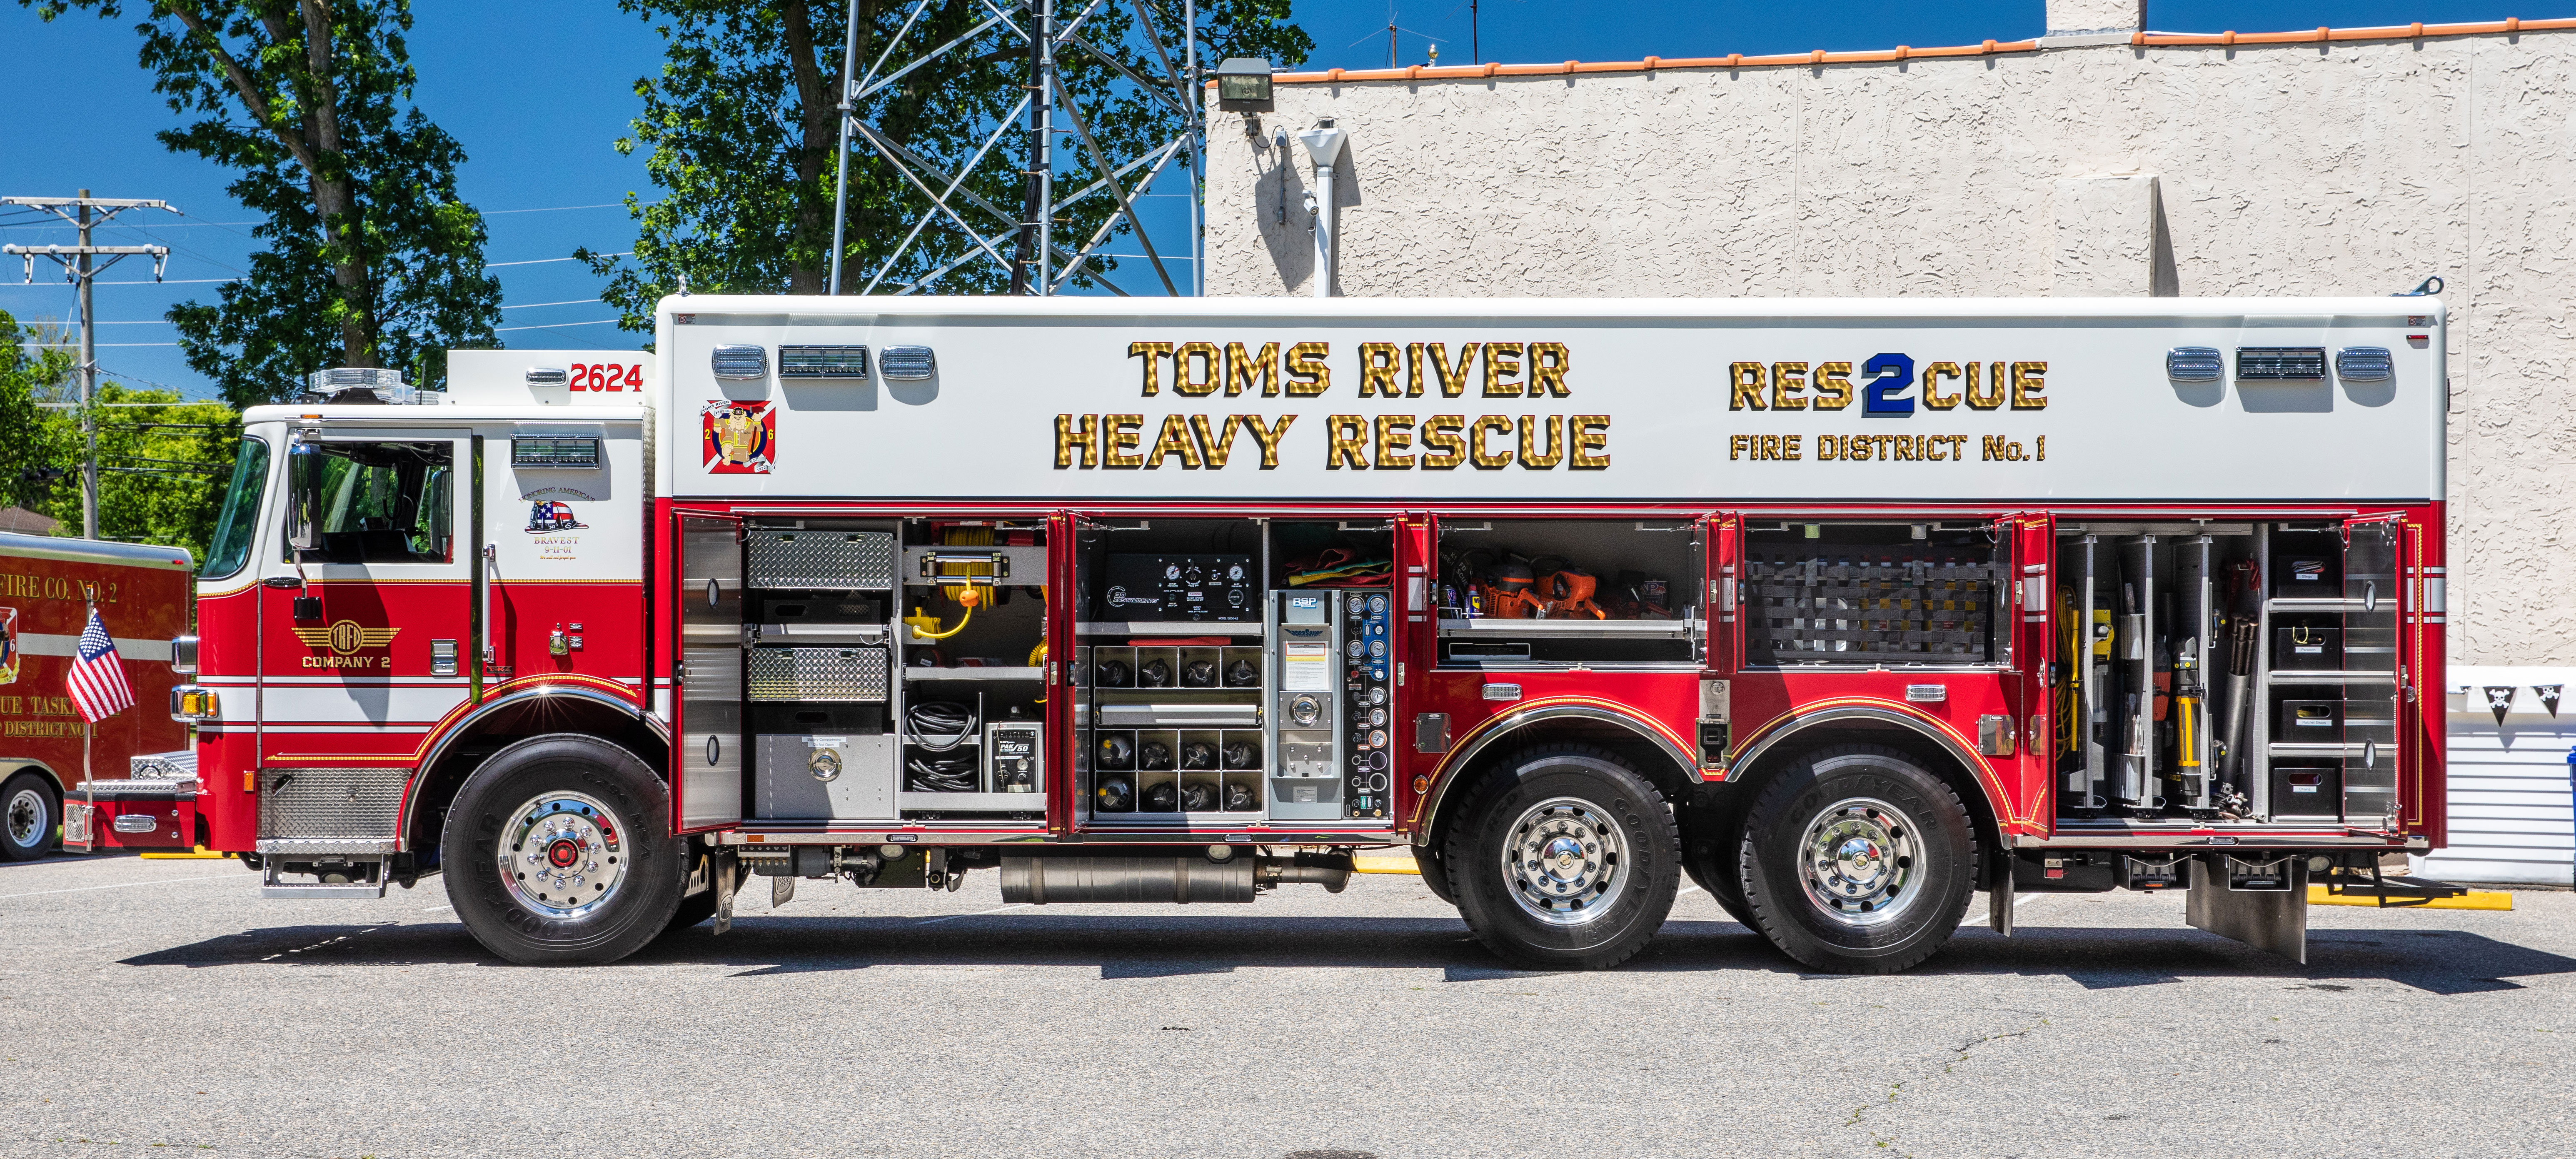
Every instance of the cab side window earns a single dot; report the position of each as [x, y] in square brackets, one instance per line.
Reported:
[390, 502]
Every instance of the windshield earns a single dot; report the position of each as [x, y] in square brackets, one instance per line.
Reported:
[240, 515]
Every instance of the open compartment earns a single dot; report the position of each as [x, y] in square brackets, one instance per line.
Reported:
[2227, 672]
[1169, 666]
[1559, 592]
[1843, 592]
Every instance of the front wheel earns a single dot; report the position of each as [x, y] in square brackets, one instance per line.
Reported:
[557, 852]
[32, 814]
[1563, 858]
[1858, 861]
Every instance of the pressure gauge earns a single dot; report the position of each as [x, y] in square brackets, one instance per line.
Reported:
[1305, 709]
[1377, 605]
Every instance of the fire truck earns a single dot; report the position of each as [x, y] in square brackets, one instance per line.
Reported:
[1843, 610]
[51, 761]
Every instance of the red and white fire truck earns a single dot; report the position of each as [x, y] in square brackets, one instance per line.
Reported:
[1845, 609]
[51, 760]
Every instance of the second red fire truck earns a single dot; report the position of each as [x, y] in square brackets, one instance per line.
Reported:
[1845, 611]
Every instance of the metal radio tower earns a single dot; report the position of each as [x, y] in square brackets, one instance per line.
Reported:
[83, 213]
[1039, 262]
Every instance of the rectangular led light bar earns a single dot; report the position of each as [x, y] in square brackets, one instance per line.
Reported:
[822, 362]
[2280, 364]
[907, 363]
[740, 363]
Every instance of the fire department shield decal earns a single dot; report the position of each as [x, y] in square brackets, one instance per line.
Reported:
[741, 438]
[8, 645]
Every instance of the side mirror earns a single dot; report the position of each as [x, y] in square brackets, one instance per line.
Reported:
[301, 532]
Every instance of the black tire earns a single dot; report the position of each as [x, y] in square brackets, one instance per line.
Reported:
[595, 791]
[1434, 878]
[1911, 869]
[1615, 904]
[1710, 851]
[693, 909]
[31, 817]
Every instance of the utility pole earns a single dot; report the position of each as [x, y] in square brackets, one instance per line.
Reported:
[78, 266]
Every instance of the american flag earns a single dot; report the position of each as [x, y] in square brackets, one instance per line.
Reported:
[97, 681]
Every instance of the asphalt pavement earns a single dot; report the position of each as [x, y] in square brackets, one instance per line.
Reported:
[161, 1006]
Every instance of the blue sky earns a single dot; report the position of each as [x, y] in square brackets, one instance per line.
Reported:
[538, 91]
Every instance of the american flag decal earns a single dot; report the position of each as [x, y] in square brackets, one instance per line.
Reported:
[97, 681]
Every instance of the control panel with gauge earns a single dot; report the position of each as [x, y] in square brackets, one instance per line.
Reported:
[1334, 705]
[1165, 588]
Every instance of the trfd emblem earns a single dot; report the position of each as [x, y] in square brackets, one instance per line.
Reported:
[740, 438]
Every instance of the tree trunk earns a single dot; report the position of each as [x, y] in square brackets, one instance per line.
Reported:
[816, 110]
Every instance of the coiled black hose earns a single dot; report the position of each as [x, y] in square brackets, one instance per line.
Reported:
[939, 725]
[940, 774]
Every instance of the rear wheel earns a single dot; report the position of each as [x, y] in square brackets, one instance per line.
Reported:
[1434, 877]
[1858, 861]
[1563, 858]
[557, 853]
[30, 817]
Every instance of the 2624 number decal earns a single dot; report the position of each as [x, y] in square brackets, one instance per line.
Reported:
[608, 377]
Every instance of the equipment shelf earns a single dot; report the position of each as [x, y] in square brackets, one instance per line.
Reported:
[1167, 630]
[1576, 629]
[913, 674]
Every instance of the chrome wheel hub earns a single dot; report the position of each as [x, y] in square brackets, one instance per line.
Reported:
[1859, 860]
[26, 818]
[1564, 861]
[563, 855]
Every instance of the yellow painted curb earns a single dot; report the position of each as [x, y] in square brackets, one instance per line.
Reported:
[199, 855]
[1385, 863]
[2486, 899]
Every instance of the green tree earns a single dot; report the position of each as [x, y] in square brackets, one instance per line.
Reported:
[372, 258]
[36, 450]
[741, 127]
[159, 458]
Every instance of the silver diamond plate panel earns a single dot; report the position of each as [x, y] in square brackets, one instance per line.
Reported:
[178, 765]
[823, 560]
[826, 674]
[331, 803]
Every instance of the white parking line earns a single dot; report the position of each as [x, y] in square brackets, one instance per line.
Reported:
[977, 914]
[128, 885]
[1688, 889]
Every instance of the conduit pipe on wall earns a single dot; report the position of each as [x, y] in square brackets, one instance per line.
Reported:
[1324, 144]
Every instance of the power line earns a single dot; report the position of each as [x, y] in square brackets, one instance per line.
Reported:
[534, 305]
[559, 325]
[542, 261]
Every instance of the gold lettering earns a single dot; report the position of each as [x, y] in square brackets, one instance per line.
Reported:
[1531, 457]
[1068, 436]
[1548, 364]
[1175, 439]
[1833, 385]
[1153, 353]
[1443, 449]
[1413, 370]
[2026, 385]
[1789, 447]
[1392, 446]
[1736, 445]
[1992, 394]
[1377, 369]
[1932, 376]
[1746, 378]
[1123, 432]
[1591, 442]
[1215, 445]
[1451, 385]
[1241, 368]
[1788, 382]
[1501, 427]
[1307, 374]
[1349, 434]
[1268, 437]
[1502, 361]
[1193, 385]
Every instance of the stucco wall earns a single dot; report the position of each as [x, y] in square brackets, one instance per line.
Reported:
[2343, 168]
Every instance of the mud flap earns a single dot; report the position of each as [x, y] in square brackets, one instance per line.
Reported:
[728, 876]
[781, 891]
[2271, 920]
[1999, 907]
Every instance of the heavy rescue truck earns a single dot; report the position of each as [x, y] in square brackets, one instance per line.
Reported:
[1846, 610]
